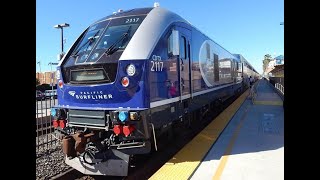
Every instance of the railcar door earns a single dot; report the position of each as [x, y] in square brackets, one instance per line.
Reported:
[184, 63]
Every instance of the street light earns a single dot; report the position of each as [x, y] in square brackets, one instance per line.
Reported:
[282, 23]
[39, 66]
[39, 62]
[61, 26]
[52, 63]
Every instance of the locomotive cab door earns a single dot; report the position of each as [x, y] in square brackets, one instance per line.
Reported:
[184, 72]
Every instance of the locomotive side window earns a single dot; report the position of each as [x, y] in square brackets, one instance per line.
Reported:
[182, 47]
[170, 45]
[173, 43]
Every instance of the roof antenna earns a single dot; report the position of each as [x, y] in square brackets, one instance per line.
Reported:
[156, 4]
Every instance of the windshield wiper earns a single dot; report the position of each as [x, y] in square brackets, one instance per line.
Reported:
[90, 41]
[112, 49]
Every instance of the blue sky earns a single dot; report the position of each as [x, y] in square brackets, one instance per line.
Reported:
[248, 27]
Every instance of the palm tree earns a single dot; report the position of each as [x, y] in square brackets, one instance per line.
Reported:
[266, 60]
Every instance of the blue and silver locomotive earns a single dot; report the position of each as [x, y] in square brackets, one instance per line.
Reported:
[131, 75]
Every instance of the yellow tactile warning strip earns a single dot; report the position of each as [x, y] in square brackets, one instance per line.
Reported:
[182, 164]
[224, 158]
[274, 103]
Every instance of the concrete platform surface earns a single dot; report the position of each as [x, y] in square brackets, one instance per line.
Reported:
[252, 145]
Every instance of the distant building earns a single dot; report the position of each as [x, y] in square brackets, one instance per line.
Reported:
[279, 60]
[278, 71]
[45, 77]
[275, 67]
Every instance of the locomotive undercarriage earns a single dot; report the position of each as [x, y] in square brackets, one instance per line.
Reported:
[97, 143]
[100, 152]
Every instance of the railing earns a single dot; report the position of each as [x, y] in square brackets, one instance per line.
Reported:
[45, 139]
[278, 83]
[279, 87]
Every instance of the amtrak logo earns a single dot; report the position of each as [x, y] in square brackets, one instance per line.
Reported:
[72, 93]
[90, 95]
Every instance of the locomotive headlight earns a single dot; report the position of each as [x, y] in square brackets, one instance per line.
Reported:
[131, 70]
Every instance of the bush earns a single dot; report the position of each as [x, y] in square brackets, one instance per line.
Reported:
[37, 82]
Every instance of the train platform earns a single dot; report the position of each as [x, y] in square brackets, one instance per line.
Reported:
[245, 141]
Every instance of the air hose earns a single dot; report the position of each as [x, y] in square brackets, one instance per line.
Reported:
[90, 154]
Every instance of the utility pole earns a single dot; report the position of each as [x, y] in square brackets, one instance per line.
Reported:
[39, 62]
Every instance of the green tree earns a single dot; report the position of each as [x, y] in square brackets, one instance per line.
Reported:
[266, 60]
[37, 82]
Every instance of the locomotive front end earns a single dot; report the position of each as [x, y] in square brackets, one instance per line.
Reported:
[102, 101]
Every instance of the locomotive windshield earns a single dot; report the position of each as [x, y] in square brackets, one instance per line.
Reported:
[101, 47]
[114, 38]
[87, 42]
[105, 38]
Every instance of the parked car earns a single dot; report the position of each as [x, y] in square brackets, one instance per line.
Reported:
[40, 95]
[50, 93]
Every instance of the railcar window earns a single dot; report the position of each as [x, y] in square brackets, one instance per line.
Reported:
[216, 67]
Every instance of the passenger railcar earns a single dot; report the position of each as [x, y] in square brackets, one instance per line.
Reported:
[129, 76]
